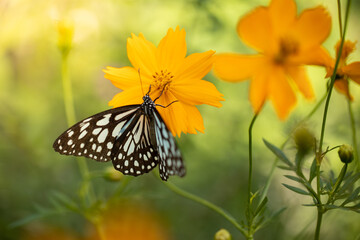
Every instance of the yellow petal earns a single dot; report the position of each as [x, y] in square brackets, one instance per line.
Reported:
[353, 71]
[280, 93]
[300, 78]
[196, 65]
[312, 27]
[258, 91]
[313, 56]
[142, 54]
[195, 92]
[282, 14]
[128, 97]
[171, 51]
[174, 116]
[236, 67]
[342, 86]
[125, 77]
[255, 30]
[194, 118]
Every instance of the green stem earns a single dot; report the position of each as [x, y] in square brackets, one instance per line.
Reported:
[71, 119]
[339, 18]
[248, 207]
[206, 203]
[250, 157]
[319, 154]
[318, 223]
[353, 131]
[338, 183]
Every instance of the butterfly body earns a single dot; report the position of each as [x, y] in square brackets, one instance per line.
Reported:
[134, 137]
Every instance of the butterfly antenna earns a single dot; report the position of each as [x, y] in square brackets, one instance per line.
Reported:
[141, 82]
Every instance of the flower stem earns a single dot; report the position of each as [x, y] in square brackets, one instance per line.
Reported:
[248, 208]
[206, 203]
[71, 119]
[319, 154]
[353, 130]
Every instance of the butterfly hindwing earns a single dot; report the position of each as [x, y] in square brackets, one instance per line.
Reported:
[171, 162]
[133, 152]
[94, 136]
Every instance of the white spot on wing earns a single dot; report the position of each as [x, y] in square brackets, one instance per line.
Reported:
[104, 121]
[82, 134]
[103, 135]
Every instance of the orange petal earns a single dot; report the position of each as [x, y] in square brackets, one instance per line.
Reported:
[300, 78]
[255, 29]
[171, 51]
[194, 118]
[236, 67]
[282, 14]
[128, 97]
[312, 27]
[196, 92]
[142, 54]
[258, 91]
[125, 77]
[353, 71]
[196, 65]
[313, 56]
[342, 86]
[281, 93]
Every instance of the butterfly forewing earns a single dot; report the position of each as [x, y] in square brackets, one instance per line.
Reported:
[171, 162]
[133, 152]
[94, 136]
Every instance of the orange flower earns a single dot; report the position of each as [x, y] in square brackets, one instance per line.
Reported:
[166, 68]
[344, 72]
[285, 42]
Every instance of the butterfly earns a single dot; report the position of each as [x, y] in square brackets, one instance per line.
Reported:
[134, 137]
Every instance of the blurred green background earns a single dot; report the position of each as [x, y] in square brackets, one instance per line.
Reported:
[32, 116]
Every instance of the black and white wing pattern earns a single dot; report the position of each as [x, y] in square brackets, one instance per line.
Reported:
[134, 137]
[170, 156]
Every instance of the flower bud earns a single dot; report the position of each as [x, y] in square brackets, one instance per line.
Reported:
[222, 234]
[304, 139]
[112, 175]
[346, 153]
[65, 30]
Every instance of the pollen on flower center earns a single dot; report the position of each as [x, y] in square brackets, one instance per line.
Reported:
[288, 46]
[162, 80]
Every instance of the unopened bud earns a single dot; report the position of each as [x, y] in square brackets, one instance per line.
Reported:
[222, 234]
[65, 30]
[304, 140]
[112, 175]
[346, 153]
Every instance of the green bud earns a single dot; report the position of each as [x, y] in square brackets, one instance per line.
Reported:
[346, 153]
[304, 139]
[65, 29]
[222, 234]
[112, 175]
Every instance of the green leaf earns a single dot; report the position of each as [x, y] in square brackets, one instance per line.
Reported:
[278, 153]
[354, 196]
[312, 171]
[296, 179]
[285, 167]
[261, 206]
[349, 183]
[296, 189]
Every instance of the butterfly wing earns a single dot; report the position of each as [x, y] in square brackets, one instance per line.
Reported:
[171, 162]
[94, 136]
[133, 152]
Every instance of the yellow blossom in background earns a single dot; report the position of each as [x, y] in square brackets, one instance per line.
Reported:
[167, 68]
[285, 43]
[65, 28]
[344, 71]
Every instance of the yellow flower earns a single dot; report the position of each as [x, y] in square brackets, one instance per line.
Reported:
[166, 68]
[284, 42]
[344, 72]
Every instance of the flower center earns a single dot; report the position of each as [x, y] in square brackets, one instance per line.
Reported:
[162, 80]
[288, 47]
